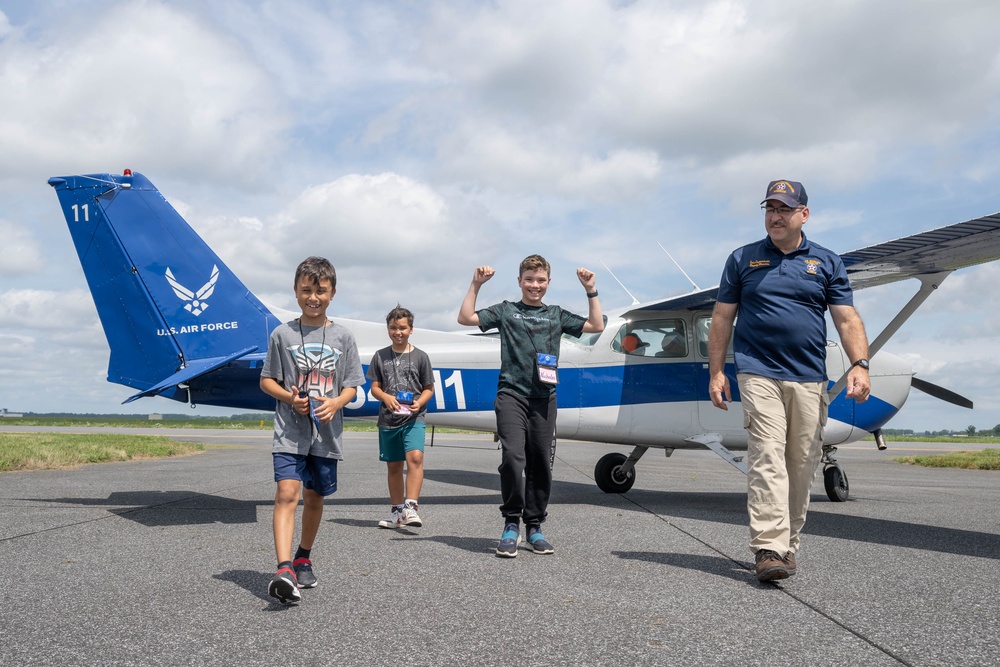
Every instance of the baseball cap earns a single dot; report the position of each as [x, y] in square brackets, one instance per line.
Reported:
[790, 193]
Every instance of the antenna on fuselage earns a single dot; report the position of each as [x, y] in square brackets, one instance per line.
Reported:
[679, 267]
[635, 301]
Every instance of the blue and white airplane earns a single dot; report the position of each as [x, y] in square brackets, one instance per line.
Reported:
[181, 325]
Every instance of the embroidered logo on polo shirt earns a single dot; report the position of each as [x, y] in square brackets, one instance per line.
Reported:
[758, 263]
[812, 266]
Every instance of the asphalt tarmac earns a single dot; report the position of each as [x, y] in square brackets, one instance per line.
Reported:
[167, 562]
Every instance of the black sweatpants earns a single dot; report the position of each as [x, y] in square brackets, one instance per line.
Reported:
[526, 427]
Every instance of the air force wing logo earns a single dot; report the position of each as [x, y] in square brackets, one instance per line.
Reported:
[197, 302]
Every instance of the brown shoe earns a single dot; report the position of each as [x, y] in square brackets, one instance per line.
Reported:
[770, 566]
[789, 561]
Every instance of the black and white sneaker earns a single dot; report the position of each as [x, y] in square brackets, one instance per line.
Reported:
[285, 586]
[304, 572]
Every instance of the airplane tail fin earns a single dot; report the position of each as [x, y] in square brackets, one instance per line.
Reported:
[172, 311]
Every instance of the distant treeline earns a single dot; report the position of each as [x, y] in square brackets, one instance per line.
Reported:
[968, 431]
[246, 416]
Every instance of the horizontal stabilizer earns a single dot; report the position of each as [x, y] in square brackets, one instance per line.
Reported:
[194, 369]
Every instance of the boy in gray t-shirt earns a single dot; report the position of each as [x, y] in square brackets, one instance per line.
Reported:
[403, 381]
[313, 370]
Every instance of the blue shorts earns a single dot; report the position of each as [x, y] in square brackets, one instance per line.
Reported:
[316, 473]
[393, 443]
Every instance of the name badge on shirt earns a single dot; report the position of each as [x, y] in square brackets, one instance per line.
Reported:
[405, 400]
[547, 372]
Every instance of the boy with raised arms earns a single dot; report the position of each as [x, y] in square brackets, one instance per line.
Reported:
[530, 332]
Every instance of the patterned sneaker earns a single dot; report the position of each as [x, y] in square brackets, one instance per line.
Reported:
[537, 541]
[304, 572]
[394, 519]
[509, 540]
[410, 516]
[284, 586]
[770, 566]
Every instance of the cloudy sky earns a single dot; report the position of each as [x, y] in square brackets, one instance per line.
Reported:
[412, 141]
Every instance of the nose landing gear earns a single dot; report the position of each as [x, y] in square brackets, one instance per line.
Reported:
[834, 479]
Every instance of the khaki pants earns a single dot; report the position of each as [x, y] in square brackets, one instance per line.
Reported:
[784, 422]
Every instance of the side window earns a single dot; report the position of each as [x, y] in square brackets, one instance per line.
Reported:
[701, 326]
[653, 338]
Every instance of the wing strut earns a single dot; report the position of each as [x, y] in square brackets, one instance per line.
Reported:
[714, 442]
[928, 283]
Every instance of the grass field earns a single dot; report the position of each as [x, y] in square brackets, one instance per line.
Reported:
[986, 459]
[41, 451]
[48, 451]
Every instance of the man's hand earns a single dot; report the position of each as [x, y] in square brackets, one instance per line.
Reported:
[858, 384]
[718, 390]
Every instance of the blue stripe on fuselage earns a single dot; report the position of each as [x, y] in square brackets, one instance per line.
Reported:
[473, 390]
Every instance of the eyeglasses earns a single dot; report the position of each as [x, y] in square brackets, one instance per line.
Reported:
[783, 211]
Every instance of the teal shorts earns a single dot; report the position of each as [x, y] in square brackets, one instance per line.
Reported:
[393, 443]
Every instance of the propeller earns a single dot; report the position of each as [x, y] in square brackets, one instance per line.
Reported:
[940, 392]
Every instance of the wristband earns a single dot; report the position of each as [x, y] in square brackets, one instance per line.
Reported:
[591, 295]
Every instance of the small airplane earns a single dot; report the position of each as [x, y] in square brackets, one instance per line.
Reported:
[181, 325]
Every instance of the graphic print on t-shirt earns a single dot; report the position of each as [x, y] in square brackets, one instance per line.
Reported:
[317, 366]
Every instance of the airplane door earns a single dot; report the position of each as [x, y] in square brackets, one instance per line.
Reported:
[713, 419]
[569, 398]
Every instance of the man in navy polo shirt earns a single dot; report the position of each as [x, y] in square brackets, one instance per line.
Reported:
[781, 288]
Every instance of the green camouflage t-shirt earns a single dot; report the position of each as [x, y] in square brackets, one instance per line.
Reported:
[525, 332]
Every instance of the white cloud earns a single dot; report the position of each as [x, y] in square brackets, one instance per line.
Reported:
[144, 83]
[19, 251]
[386, 221]
[25, 309]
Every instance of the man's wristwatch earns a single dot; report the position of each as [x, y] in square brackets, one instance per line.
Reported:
[861, 362]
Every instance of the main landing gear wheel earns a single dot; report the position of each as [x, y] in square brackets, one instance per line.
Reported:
[835, 481]
[609, 476]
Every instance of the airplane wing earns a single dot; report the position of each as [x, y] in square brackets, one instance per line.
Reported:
[943, 249]
[696, 300]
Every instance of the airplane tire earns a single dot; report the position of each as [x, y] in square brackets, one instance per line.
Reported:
[607, 474]
[835, 481]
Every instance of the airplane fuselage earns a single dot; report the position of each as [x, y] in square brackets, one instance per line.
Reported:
[605, 394]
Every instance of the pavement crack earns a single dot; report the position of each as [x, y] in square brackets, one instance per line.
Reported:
[839, 623]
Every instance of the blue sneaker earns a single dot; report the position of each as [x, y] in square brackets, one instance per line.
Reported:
[537, 541]
[509, 540]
